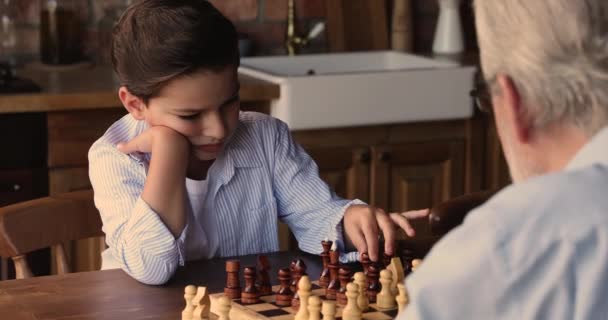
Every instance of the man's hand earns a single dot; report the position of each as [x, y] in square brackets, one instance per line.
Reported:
[363, 224]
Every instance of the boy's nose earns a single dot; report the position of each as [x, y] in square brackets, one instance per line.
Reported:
[214, 126]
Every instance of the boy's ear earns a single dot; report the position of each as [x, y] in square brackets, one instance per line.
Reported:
[133, 104]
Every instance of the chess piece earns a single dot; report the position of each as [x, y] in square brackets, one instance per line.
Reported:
[362, 300]
[233, 287]
[328, 309]
[351, 311]
[263, 284]
[189, 293]
[324, 278]
[386, 259]
[299, 270]
[396, 269]
[386, 299]
[344, 276]
[334, 282]
[365, 261]
[448, 37]
[402, 299]
[407, 256]
[373, 287]
[304, 291]
[250, 294]
[202, 304]
[416, 264]
[314, 308]
[284, 294]
[223, 309]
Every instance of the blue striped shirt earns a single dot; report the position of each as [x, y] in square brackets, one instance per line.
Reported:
[261, 175]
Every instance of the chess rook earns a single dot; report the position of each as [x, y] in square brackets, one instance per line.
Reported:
[250, 294]
[233, 287]
[324, 278]
[284, 294]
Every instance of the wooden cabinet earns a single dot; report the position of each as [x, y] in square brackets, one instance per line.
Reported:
[399, 167]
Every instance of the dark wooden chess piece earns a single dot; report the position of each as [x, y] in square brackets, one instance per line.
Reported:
[233, 287]
[344, 275]
[250, 294]
[324, 278]
[365, 261]
[373, 280]
[386, 260]
[299, 270]
[284, 294]
[407, 256]
[334, 283]
[263, 284]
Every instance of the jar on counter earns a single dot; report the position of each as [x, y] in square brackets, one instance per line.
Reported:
[63, 29]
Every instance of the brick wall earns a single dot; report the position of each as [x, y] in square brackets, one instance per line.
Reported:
[262, 21]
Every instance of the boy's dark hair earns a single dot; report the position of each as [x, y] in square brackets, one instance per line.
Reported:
[156, 41]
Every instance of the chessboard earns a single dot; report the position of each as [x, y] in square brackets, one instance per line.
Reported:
[268, 309]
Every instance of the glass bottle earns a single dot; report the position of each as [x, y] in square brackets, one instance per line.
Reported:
[63, 28]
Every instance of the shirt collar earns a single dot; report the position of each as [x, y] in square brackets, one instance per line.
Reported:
[595, 151]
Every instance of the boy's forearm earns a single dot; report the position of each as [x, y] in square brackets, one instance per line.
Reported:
[165, 189]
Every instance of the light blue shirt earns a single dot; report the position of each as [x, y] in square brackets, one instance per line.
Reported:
[536, 250]
[261, 175]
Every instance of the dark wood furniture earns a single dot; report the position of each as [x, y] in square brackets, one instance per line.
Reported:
[47, 222]
[112, 294]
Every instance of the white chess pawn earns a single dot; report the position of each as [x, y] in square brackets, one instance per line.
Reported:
[329, 310]
[314, 308]
[402, 299]
[385, 299]
[416, 264]
[351, 311]
[223, 308]
[203, 304]
[304, 291]
[189, 293]
[362, 299]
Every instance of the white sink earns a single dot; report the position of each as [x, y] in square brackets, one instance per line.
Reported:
[353, 89]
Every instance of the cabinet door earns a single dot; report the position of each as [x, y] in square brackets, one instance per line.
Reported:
[345, 170]
[417, 175]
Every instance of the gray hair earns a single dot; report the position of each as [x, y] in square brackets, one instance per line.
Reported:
[556, 52]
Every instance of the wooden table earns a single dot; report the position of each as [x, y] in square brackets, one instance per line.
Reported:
[112, 294]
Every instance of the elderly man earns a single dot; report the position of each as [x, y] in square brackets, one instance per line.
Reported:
[539, 248]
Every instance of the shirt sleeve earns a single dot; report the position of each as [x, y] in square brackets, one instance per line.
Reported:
[137, 238]
[305, 202]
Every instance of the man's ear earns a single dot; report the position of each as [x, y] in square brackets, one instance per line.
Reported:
[132, 103]
[512, 108]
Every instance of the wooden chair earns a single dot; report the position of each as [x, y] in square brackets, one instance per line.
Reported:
[47, 222]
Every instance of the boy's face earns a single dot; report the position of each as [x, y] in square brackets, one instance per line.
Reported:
[204, 107]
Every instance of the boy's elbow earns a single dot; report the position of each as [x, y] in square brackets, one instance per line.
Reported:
[156, 273]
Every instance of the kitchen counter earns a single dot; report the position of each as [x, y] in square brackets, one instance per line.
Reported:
[94, 87]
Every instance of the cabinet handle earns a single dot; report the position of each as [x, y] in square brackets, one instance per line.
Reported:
[365, 157]
[16, 187]
[385, 156]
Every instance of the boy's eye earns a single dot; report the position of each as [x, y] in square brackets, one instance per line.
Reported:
[189, 117]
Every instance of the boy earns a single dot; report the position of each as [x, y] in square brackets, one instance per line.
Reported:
[187, 176]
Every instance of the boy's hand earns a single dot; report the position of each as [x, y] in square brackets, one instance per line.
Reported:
[154, 136]
[362, 226]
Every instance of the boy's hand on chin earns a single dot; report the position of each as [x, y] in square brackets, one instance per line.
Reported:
[363, 224]
[154, 138]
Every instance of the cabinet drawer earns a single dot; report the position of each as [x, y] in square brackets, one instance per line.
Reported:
[23, 141]
[22, 185]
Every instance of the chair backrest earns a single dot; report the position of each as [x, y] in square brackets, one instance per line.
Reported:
[449, 214]
[47, 222]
